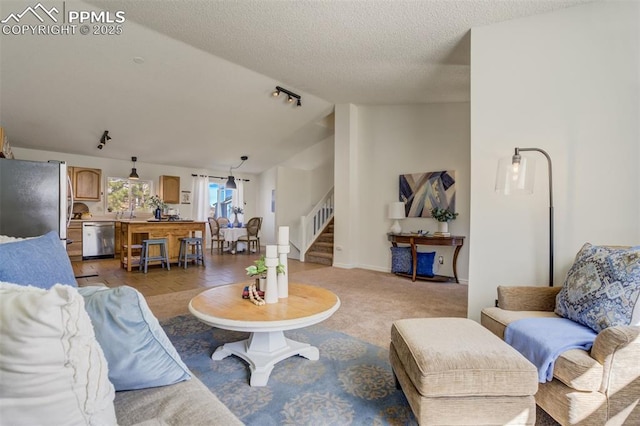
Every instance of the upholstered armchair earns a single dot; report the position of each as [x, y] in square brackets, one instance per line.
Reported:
[597, 387]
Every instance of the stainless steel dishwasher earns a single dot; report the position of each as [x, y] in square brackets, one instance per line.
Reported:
[98, 240]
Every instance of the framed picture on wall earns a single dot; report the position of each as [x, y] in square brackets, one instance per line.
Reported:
[186, 197]
[421, 192]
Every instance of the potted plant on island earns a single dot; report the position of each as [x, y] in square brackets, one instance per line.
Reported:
[443, 216]
[159, 205]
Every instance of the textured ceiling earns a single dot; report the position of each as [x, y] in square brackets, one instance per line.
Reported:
[365, 52]
[201, 97]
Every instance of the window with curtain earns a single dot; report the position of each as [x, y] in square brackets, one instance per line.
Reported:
[220, 200]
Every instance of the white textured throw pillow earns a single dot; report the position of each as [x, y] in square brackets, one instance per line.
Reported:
[52, 369]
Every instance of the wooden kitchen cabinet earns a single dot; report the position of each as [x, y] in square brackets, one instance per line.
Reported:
[170, 189]
[86, 183]
[74, 235]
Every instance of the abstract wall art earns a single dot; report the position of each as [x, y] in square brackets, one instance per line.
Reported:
[423, 191]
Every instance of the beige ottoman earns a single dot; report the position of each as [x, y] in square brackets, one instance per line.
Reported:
[455, 372]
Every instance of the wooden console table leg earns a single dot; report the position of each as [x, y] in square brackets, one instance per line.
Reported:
[455, 263]
[414, 256]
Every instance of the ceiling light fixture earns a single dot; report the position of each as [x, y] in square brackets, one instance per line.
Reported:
[231, 181]
[290, 95]
[134, 172]
[103, 140]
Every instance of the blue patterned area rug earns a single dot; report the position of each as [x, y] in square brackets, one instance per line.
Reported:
[351, 384]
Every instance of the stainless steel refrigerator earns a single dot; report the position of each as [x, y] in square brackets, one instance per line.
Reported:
[34, 198]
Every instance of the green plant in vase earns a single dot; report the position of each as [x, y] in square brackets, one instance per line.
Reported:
[158, 204]
[443, 216]
[259, 269]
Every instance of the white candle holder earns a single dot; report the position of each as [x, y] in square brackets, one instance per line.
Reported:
[271, 262]
[283, 279]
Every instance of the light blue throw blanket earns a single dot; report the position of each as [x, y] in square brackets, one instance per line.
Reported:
[542, 340]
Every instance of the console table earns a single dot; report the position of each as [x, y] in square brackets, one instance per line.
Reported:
[415, 240]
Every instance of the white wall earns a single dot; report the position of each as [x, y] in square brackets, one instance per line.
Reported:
[292, 200]
[300, 182]
[120, 168]
[566, 82]
[395, 140]
[347, 212]
[267, 184]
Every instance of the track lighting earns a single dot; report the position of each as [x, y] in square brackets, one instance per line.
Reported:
[290, 95]
[103, 140]
[134, 172]
[231, 181]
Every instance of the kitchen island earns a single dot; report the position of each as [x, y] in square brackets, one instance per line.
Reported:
[132, 232]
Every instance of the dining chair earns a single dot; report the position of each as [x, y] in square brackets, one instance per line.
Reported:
[252, 238]
[223, 222]
[215, 234]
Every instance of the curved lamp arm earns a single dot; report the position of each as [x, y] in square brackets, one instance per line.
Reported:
[516, 159]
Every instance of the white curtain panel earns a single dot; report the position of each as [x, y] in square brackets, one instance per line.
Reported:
[237, 198]
[201, 199]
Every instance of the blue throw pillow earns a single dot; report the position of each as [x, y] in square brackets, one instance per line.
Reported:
[40, 262]
[425, 263]
[137, 349]
[602, 288]
[401, 260]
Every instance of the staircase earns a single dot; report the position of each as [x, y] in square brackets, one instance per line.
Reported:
[321, 251]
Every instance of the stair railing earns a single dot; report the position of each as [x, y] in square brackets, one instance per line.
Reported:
[312, 225]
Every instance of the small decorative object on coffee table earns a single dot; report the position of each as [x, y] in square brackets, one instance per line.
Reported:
[259, 271]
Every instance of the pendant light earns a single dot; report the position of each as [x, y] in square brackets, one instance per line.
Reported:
[231, 181]
[134, 172]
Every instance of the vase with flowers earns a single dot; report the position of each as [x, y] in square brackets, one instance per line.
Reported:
[237, 211]
[443, 216]
[159, 206]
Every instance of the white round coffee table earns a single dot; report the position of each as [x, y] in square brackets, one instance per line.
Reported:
[224, 307]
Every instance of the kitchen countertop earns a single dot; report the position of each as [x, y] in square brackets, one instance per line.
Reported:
[149, 219]
[94, 219]
[158, 221]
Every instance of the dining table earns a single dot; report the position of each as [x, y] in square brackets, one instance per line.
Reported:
[231, 235]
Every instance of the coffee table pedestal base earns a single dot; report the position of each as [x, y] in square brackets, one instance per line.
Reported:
[263, 350]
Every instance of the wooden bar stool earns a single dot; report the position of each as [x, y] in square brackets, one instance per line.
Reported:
[190, 249]
[136, 254]
[163, 257]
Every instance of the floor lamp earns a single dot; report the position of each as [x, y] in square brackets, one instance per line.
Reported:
[516, 175]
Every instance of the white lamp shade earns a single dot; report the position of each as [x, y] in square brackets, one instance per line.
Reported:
[396, 210]
[515, 178]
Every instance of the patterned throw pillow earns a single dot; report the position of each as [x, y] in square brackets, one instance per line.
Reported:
[602, 288]
[401, 260]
